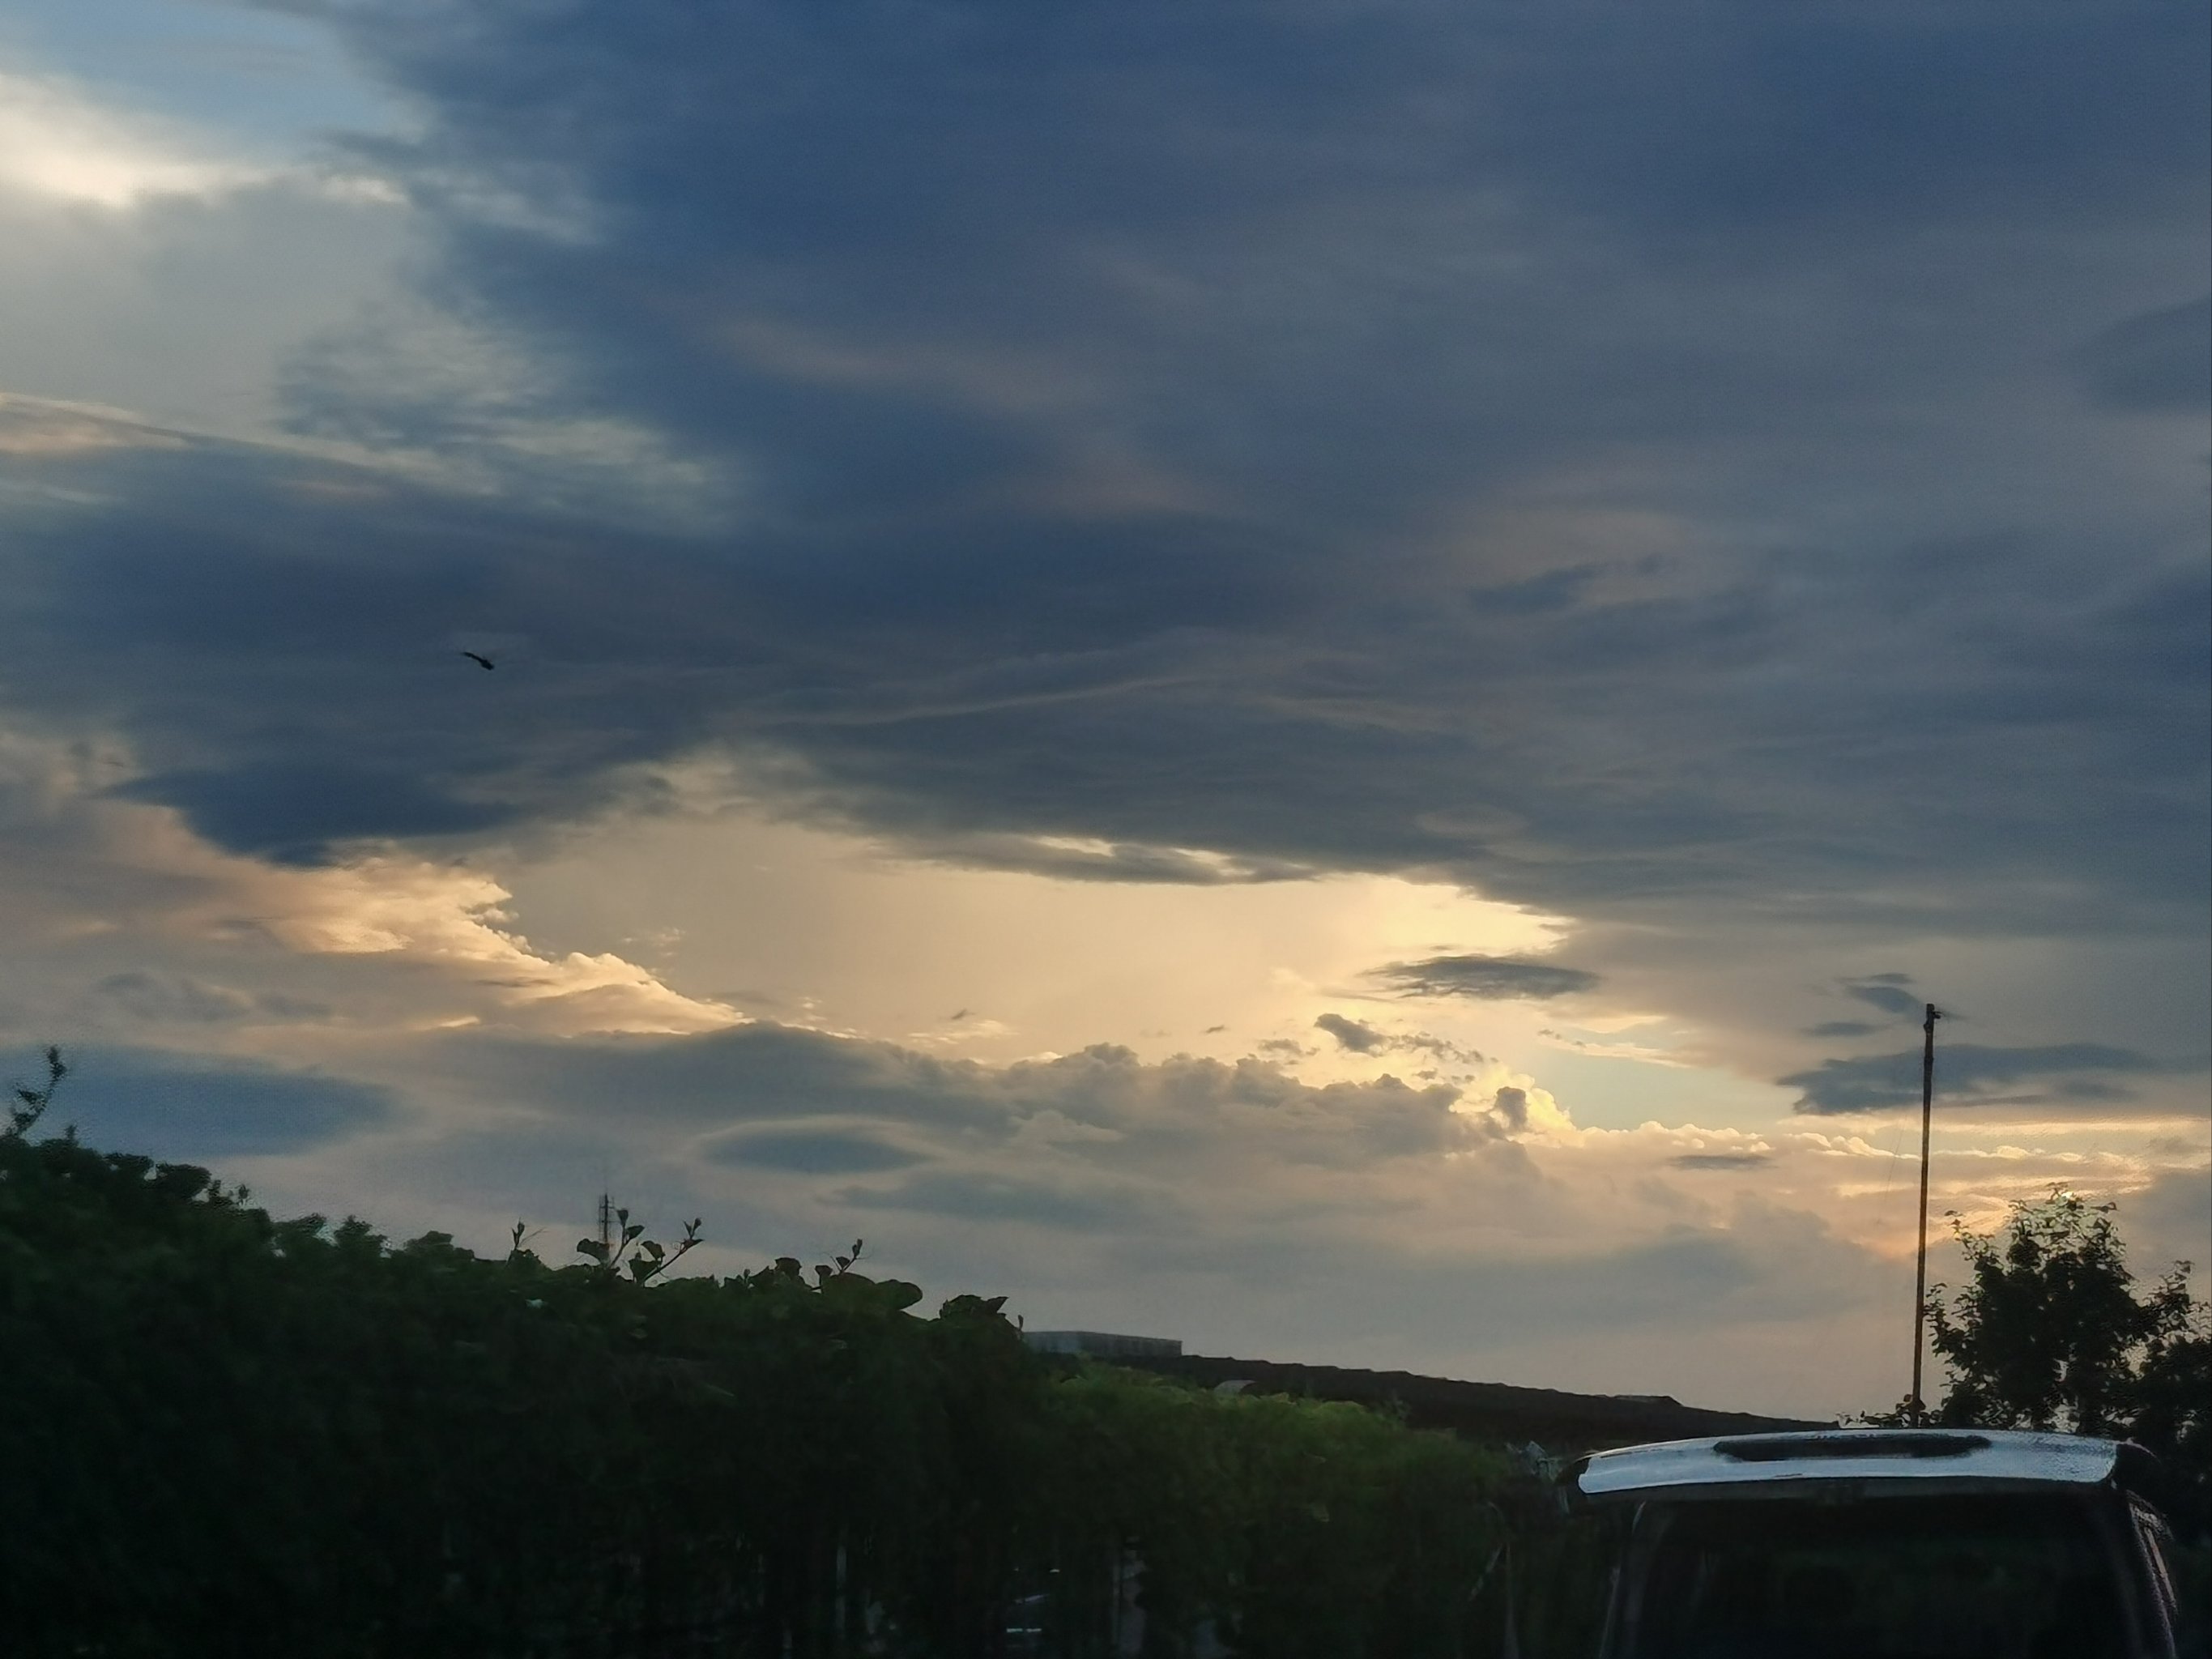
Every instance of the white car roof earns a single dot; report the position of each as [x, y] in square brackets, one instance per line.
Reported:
[1768, 1465]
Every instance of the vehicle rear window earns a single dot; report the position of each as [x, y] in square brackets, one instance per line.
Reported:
[2011, 1577]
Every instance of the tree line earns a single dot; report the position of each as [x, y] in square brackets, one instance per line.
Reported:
[224, 1432]
[2052, 1330]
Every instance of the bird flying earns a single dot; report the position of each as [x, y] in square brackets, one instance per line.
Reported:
[481, 662]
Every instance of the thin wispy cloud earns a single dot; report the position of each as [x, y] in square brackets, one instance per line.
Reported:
[1489, 978]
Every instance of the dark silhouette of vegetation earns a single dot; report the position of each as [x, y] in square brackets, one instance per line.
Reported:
[2053, 1331]
[650, 1259]
[31, 1103]
[2050, 1333]
[225, 1433]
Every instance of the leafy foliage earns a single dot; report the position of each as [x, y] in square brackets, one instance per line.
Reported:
[2051, 1332]
[31, 1103]
[221, 1432]
[650, 1259]
[1292, 1527]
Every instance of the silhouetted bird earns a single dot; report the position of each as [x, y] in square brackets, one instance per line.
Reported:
[481, 662]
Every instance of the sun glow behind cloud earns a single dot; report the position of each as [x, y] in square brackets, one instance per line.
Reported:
[57, 142]
[859, 935]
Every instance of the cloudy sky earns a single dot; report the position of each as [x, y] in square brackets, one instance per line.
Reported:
[1327, 677]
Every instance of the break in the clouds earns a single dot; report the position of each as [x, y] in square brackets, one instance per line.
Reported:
[1688, 518]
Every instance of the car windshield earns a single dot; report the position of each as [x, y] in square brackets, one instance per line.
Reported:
[1963, 1577]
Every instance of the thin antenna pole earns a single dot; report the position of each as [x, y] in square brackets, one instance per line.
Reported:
[1916, 1409]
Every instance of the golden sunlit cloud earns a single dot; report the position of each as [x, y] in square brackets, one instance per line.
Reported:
[134, 872]
[870, 938]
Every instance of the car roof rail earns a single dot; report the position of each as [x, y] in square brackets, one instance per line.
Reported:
[1904, 1442]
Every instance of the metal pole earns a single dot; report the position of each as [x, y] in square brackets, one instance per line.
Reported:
[1914, 1407]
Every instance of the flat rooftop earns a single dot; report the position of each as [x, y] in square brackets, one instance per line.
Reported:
[1104, 1344]
[1497, 1411]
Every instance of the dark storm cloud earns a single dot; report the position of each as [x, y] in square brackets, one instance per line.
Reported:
[291, 810]
[1585, 463]
[1490, 978]
[194, 1109]
[1968, 1074]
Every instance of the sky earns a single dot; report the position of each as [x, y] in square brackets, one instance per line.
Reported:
[1328, 678]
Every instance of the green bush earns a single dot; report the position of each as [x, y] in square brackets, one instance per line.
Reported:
[221, 1432]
